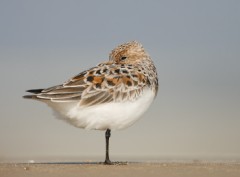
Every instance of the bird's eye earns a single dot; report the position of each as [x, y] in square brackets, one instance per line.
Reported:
[123, 58]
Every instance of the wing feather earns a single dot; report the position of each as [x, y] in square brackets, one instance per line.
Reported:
[98, 85]
[99, 98]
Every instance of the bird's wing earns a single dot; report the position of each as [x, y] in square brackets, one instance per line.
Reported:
[102, 84]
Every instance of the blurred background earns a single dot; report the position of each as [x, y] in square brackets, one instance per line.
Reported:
[195, 46]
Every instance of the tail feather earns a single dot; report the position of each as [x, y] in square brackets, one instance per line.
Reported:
[35, 91]
[30, 96]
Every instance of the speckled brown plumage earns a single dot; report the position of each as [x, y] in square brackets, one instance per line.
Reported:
[122, 78]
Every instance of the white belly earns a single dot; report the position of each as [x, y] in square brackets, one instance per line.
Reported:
[114, 116]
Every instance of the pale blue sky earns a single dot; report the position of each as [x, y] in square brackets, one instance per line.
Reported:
[194, 44]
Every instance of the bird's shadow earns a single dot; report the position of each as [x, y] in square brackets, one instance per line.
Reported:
[84, 163]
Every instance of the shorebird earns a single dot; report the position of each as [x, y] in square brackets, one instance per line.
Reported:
[110, 96]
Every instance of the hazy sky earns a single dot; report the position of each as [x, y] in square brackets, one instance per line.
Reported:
[194, 44]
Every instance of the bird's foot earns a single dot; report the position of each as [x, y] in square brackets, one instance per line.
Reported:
[108, 162]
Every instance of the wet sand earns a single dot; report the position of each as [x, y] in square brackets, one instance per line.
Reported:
[126, 170]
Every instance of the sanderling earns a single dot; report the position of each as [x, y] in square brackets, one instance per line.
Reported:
[111, 96]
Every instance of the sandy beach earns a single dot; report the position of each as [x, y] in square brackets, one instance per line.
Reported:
[126, 170]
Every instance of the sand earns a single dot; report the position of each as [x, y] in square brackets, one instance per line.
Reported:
[126, 170]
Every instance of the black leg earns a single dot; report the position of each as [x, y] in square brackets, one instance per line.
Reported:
[107, 136]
